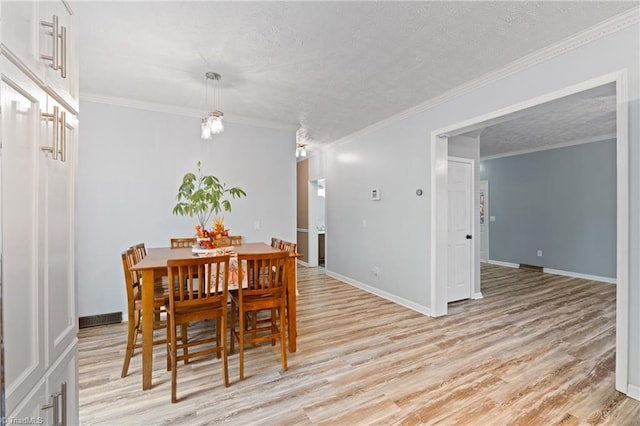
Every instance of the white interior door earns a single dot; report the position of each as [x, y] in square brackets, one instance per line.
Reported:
[484, 220]
[459, 232]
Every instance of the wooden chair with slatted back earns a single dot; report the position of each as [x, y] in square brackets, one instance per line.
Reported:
[183, 242]
[139, 251]
[134, 306]
[288, 247]
[201, 298]
[275, 242]
[236, 240]
[222, 242]
[266, 277]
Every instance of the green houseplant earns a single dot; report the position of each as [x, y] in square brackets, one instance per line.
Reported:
[204, 196]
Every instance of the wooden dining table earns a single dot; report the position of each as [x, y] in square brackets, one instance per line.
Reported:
[154, 265]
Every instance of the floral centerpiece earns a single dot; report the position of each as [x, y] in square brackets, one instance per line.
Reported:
[204, 196]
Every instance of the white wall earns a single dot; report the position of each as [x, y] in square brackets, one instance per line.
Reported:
[394, 156]
[131, 164]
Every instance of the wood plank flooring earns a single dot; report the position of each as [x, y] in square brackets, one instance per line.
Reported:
[539, 349]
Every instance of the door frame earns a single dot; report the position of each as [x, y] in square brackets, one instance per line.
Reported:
[438, 219]
[473, 212]
[487, 217]
[312, 213]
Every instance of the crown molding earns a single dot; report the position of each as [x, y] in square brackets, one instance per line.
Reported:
[188, 112]
[603, 29]
[601, 138]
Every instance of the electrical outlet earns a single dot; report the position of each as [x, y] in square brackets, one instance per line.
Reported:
[375, 271]
[256, 225]
[539, 253]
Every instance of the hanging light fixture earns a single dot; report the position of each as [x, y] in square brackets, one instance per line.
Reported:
[212, 123]
[301, 150]
[301, 138]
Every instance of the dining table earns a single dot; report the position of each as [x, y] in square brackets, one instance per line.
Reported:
[154, 266]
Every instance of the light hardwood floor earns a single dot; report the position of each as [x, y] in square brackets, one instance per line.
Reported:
[538, 349]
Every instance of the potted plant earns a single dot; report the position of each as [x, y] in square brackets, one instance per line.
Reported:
[204, 196]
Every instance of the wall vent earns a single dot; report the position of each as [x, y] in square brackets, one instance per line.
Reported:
[102, 319]
[531, 267]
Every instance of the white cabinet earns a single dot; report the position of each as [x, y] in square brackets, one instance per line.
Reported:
[38, 152]
[56, 201]
[22, 293]
[41, 37]
[51, 401]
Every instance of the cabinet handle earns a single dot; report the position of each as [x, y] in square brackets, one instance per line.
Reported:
[53, 149]
[54, 50]
[62, 66]
[63, 397]
[55, 404]
[58, 56]
[63, 136]
[59, 406]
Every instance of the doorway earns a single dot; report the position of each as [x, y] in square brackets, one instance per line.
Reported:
[460, 224]
[317, 222]
[438, 163]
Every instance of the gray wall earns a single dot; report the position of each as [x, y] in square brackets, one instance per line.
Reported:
[561, 201]
[131, 164]
[394, 156]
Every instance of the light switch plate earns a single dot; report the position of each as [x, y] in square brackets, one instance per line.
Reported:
[375, 194]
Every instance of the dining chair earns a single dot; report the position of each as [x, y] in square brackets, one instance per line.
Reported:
[134, 306]
[200, 298]
[183, 242]
[139, 251]
[236, 240]
[222, 242]
[266, 280]
[288, 247]
[275, 242]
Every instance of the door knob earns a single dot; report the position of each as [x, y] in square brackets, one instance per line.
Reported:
[468, 237]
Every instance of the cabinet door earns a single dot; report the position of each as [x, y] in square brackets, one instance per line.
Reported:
[56, 198]
[30, 409]
[62, 380]
[20, 29]
[64, 81]
[22, 302]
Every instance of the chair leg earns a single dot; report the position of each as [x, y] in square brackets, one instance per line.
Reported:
[232, 326]
[174, 364]
[283, 344]
[185, 339]
[132, 335]
[241, 340]
[225, 364]
[168, 345]
[218, 333]
[273, 325]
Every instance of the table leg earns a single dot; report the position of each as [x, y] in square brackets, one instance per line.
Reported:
[147, 328]
[291, 305]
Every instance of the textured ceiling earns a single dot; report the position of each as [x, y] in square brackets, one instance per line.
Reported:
[331, 67]
[585, 116]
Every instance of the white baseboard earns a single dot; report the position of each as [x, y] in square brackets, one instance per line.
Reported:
[388, 296]
[477, 295]
[633, 392]
[300, 262]
[579, 275]
[507, 264]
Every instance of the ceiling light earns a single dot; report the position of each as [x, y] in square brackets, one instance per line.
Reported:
[301, 150]
[212, 123]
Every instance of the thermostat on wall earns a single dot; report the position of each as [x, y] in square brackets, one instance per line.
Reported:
[375, 194]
